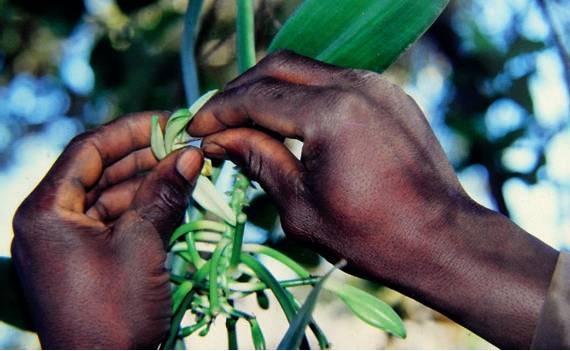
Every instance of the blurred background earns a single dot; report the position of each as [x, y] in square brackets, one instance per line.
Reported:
[492, 77]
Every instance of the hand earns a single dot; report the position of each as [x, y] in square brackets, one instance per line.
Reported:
[373, 186]
[89, 241]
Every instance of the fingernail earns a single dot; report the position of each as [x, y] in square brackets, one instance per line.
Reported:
[189, 164]
[214, 150]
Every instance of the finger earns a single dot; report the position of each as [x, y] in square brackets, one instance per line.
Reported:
[163, 196]
[293, 68]
[285, 108]
[264, 159]
[83, 161]
[136, 162]
[114, 201]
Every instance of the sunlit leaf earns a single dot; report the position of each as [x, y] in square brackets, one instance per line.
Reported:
[369, 308]
[207, 196]
[157, 139]
[180, 119]
[176, 124]
[367, 34]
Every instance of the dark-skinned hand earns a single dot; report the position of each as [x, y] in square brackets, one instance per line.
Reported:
[89, 241]
[373, 186]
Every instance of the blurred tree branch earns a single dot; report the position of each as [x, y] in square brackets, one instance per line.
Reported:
[557, 37]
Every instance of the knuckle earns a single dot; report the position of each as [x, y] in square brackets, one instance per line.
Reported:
[279, 57]
[170, 197]
[265, 88]
[83, 138]
[28, 219]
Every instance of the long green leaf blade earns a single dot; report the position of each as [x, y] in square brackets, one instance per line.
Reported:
[366, 34]
[370, 309]
[296, 331]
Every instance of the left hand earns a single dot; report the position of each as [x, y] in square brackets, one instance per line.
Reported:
[89, 244]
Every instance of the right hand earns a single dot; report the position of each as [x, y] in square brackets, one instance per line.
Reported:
[373, 186]
[373, 182]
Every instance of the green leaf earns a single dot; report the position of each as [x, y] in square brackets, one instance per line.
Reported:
[157, 139]
[179, 120]
[176, 124]
[366, 34]
[369, 308]
[180, 293]
[13, 307]
[296, 331]
[207, 196]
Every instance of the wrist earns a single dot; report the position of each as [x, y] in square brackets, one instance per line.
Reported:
[487, 274]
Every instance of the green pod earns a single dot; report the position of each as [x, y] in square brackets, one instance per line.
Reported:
[262, 299]
[180, 293]
[232, 333]
[369, 308]
[256, 334]
[194, 226]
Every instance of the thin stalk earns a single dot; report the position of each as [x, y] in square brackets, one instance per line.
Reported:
[290, 283]
[213, 277]
[197, 261]
[237, 240]
[245, 43]
[245, 35]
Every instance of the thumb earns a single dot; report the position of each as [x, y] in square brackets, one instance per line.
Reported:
[263, 158]
[164, 194]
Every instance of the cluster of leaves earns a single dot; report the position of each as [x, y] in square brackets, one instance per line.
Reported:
[218, 268]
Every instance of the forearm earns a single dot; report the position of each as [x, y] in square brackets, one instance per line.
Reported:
[485, 273]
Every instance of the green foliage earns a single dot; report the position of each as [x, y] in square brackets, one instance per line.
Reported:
[369, 309]
[367, 34]
[294, 335]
